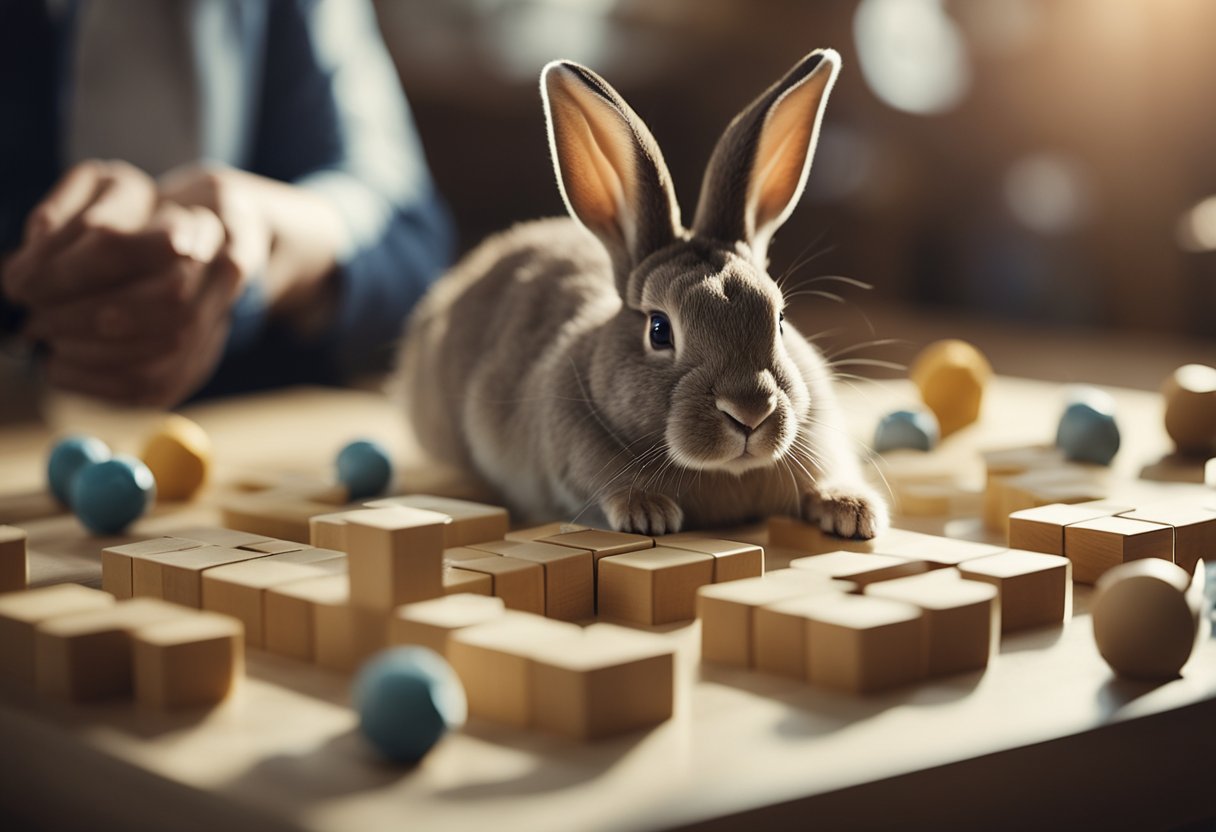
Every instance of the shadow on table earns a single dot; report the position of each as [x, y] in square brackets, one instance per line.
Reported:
[1117, 693]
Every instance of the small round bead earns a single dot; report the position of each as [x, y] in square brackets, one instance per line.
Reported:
[364, 468]
[407, 699]
[67, 458]
[108, 496]
[915, 429]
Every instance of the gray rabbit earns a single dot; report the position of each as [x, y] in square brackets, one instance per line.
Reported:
[642, 371]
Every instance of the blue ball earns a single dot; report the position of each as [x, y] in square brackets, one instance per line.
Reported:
[364, 468]
[1088, 434]
[408, 698]
[67, 458]
[109, 496]
[914, 429]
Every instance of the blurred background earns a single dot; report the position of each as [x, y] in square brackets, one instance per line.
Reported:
[995, 169]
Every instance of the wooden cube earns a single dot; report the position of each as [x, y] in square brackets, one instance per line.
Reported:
[457, 580]
[396, 556]
[541, 532]
[1194, 531]
[727, 611]
[961, 620]
[1006, 463]
[939, 552]
[88, 656]
[274, 515]
[219, 536]
[1069, 484]
[569, 575]
[14, 573]
[178, 576]
[328, 531]
[187, 662]
[469, 522]
[116, 568]
[1041, 529]
[276, 547]
[22, 612]
[808, 538]
[779, 631]
[859, 568]
[654, 586]
[519, 583]
[600, 543]
[602, 682]
[493, 661]
[733, 560]
[429, 623]
[1095, 546]
[290, 627]
[859, 644]
[1035, 589]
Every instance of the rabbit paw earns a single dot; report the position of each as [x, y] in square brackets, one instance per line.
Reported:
[642, 513]
[851, 510]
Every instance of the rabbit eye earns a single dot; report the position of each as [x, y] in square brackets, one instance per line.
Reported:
[781, 322]
[660, 332]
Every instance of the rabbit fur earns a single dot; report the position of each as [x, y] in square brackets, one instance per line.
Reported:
[533, 362]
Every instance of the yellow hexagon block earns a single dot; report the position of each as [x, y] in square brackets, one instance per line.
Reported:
[951, 375]
[1190, 409]
[179, 456]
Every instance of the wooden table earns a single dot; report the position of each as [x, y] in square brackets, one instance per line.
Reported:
[1046, 734]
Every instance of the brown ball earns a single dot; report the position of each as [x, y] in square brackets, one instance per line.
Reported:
[952, 375]
[1190, 409]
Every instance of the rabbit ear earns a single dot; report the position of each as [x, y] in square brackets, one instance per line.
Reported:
[759, 168]
[609, 168]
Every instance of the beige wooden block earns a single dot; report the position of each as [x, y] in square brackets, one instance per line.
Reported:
[328, 531]
[859, 644]
[779, 631]
[1041, 529]
[470, 522]
[1095, 546]
[600, 543]
[603, 682]
[116, 562]
[733, 560]
[273, 514]
[569, 575]
[727, 611]
[809, 539]
[14, 573]
[1035, 589]
[941, 552]
[219, 536]
[456, 580]
[88, 656]
[1006, 463]
[239, 589]
[275, 547]
[1069, 485]
[654, 586]
[935, 499]
[494, 665]
[962, 619]
[519, 583]
[1194, 531]
[345, 636]
[290, 613]
[188, 662]
[429, 623]
[396, 556]
[541, 532]
[454, 555]
[859, 568]
[178, 576]
[22, 612]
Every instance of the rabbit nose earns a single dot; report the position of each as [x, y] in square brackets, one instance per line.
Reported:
[747, 416]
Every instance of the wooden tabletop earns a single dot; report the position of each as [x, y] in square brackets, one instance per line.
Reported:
[1046, 732]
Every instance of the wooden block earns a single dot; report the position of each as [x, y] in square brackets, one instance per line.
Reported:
[239, 589]
[275, 547]
[733, 560]
[290, 613]
[541, 532]
[779, 631]
[603, 682]
[1041, 529]
[116, 569]
[859, 644]
[727, 611]
[328, 531]
[188, 662]
[453, 556]
[1095, 546]
[457, 580]
[396, 556]
[178, 576]
[1035, 589]
[655, 586]
[88, 656]
[858, 567]
[14, 572]
[569, 575]
[493, 663]
[429, 623]
[600, 543]
[470, 522]
[1069, 485]
[519, 583]
[935, 499]
[940, 552]
[273, 514]
[1006, 463]
[22, 612]
[217, 536]
[1194, 531]
[962, 619]
[809, 539]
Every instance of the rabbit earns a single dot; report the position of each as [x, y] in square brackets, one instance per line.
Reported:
[618, 366]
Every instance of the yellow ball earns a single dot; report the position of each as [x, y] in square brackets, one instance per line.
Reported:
[951, 375]
[179, 455]
[1190, 409]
